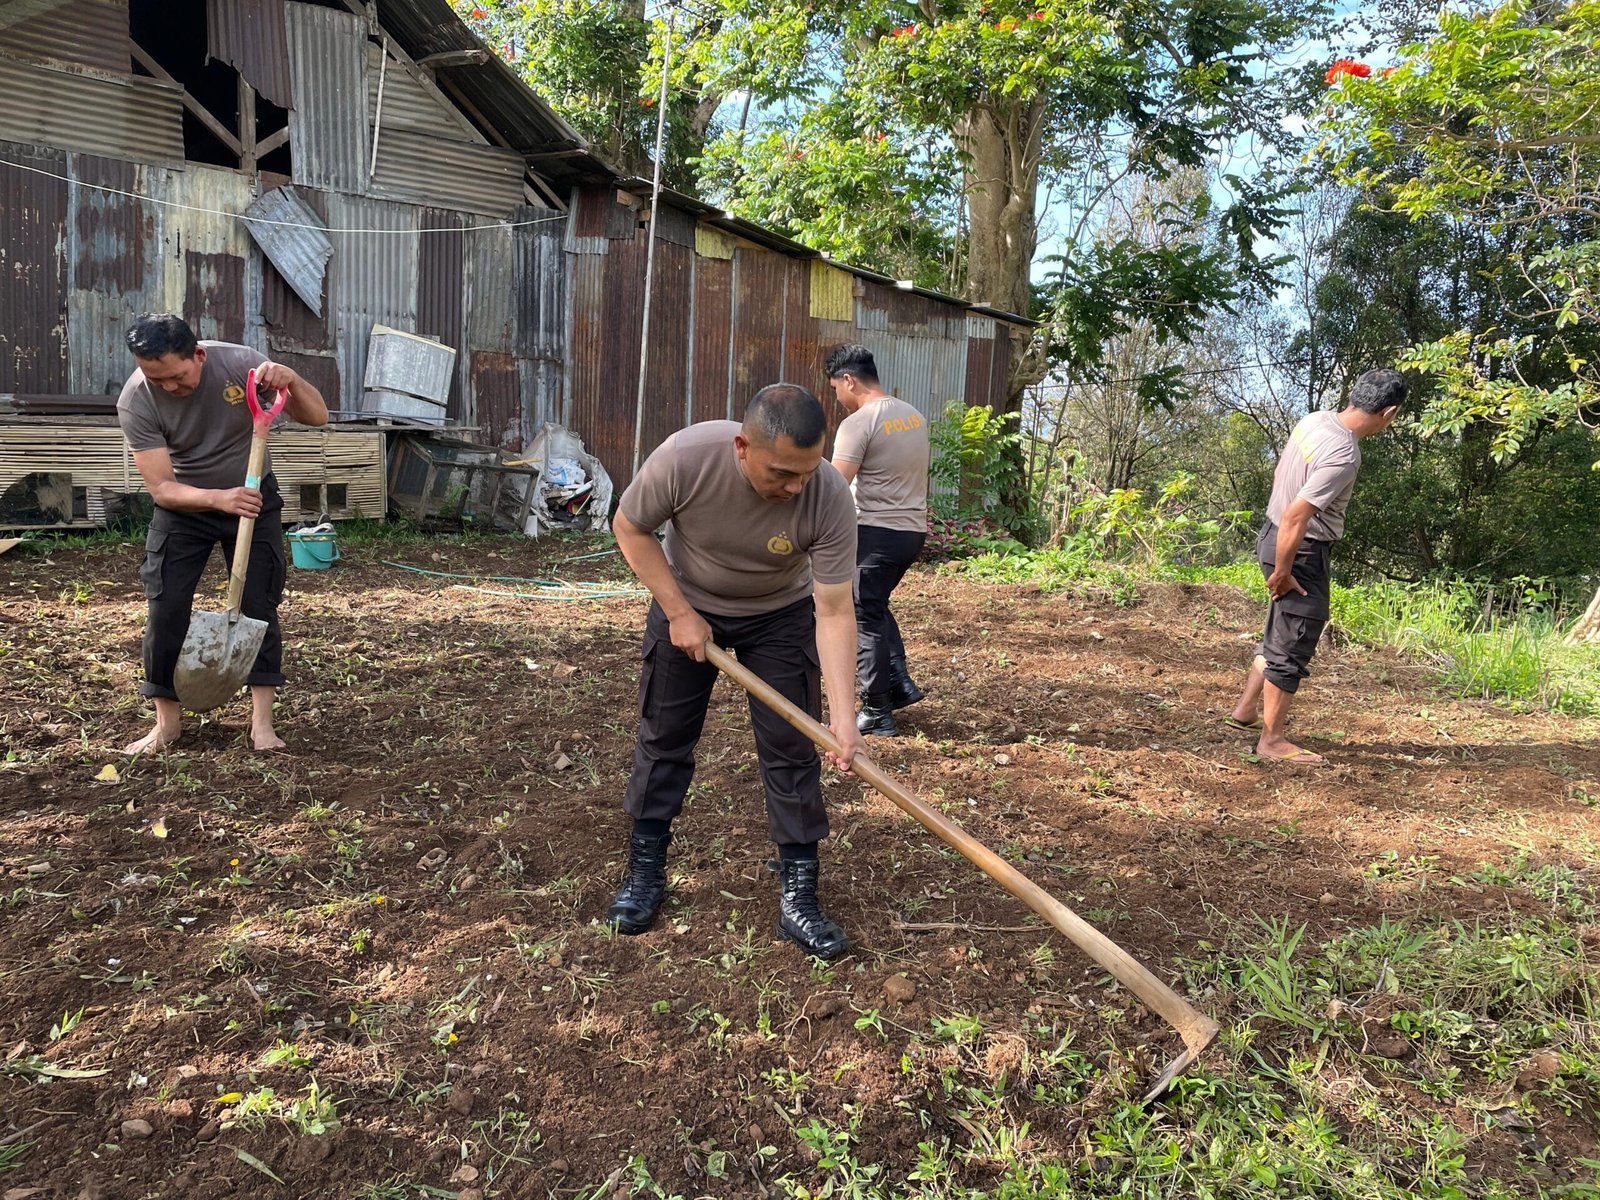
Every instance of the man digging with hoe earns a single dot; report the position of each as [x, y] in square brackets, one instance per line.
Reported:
[183, 412]
[759, 525]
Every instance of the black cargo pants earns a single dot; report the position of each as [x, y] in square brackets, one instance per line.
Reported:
[674, 691]
[1294, 622]
[176, 551]
[882, 558]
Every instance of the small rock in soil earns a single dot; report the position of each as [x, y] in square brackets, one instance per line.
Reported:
[899, 989]
[1541, 1068]
[560, 1166]
[1327, 900]
[468, 883]
[1003, 760]
[208, 1130]
[461, 1102]
[137, 1129]
[1391, 1047]
[757, 1134]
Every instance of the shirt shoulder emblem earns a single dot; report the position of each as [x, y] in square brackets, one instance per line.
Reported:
[780, 544]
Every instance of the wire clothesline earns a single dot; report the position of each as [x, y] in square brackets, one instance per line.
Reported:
[249, 220]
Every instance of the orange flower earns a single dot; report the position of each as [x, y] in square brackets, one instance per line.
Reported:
[1005, 26]
[905, 31]
[1038, 16]
[1347, 66]
[480, 13]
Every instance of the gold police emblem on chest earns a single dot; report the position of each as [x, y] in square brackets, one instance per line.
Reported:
[780, 544]
[233, 393]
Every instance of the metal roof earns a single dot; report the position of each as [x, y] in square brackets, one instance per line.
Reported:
[489, 90]
[719, 218]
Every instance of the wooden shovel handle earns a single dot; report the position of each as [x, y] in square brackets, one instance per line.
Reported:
[247, 527]
[1196, 1028]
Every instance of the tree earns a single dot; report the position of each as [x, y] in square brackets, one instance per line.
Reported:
[591, 60]
[1494, 122]
[947, 119]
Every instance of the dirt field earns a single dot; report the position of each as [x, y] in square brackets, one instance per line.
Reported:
[369, 967]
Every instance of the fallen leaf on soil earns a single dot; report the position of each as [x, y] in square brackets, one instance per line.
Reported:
[39, 868]
[109, 774]
[465, 1173]
[250, 1160]
[433, 858]
[19, 1193]
[158, 827]
[562, 762]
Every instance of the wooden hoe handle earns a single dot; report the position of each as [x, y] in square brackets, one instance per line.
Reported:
[1196, 1029]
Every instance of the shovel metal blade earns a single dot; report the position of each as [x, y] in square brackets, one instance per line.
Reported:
[216, 658]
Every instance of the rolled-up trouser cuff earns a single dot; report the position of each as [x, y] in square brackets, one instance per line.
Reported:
[266, 679]
[154, 691]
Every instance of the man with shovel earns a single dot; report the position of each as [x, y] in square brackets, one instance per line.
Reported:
[183, 413]
[758, 556]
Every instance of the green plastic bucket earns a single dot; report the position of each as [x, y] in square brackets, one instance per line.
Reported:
[313, 551]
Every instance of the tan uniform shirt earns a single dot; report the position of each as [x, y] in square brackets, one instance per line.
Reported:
[733, 553]
[889, 438]
[1318, 465]
[207, 433]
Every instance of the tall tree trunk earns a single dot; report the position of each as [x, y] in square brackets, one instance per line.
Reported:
[1002, 147]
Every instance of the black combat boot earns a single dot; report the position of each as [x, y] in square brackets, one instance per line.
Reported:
[800, 917]
[903, 690]
[645, 887]
[876, 716]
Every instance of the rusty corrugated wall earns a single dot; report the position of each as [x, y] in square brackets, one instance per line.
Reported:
[328, 127]
[374, 279]
[441, 293]
[251, 36]
[120, 116]
[712, 337]
[88, 33]
[116, 246]
[33, 272]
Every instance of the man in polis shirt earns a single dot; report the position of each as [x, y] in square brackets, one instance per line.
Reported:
[759, 554]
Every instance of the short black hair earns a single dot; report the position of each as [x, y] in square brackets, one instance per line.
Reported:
[154, 335]
[851, 359]
[1377, 390]
[786, 410]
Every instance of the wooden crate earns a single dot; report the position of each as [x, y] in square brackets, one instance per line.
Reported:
[339, 472]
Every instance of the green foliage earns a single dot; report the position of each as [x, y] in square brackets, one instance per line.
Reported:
[1489, 124]
[976, 466]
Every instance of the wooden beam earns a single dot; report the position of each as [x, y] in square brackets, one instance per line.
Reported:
[273, 141]
[247, 126]
[199, 110]
[454, 58]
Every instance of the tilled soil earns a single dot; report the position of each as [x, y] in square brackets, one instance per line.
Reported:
[402, 907]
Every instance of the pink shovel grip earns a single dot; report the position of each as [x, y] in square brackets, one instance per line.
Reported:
[262, 417]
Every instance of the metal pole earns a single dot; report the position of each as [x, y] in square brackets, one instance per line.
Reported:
[650, 245]
[377, 114]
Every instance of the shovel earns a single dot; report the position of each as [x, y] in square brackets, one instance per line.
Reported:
[1196, 1029]
[221, 647]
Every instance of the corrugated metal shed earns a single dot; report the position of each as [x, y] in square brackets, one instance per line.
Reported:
[492, 291]
[492, 89]
[833, 296]
[374, 279]
[429, 170]
[91, 33]
[251, 36]
[75, 109]
[328, 127]
[33, 273]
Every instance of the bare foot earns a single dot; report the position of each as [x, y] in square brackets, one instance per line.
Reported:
[1284, 751]
[263, 738]
[158, 738]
